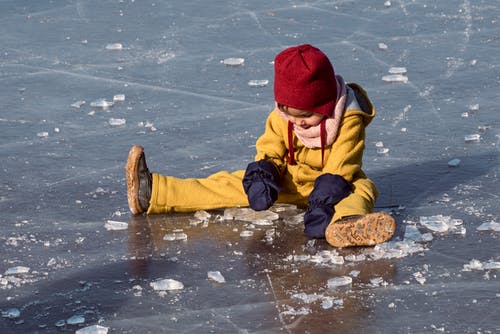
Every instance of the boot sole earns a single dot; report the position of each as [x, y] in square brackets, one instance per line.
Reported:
[367, 230]
[133, 179]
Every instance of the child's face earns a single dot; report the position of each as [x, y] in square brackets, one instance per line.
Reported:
[302, 118]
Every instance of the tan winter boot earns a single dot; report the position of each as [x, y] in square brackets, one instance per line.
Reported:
[367, 230]
[139, 181]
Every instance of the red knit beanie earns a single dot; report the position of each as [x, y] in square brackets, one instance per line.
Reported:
[304, 79]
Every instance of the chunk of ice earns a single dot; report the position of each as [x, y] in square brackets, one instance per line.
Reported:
[258, 83]
[175, 236]
[117, 121]
[337, 282]
[216, 276]
[472, 138]
[397, 70]
[113, 225]
[246, 234]
[17, 270]
[202, 215]
[454, 162]
[395, 78]
[166, 284]
[382, 46]
[101, 103]
[75, 320]
[382, 150]
[438, 223]
[474, 107]
[77, 104]
[94, 329]
[233, 61]
[11, 313]
[491, 226]
[249, 215]
[43, 134]
[114, 46]
[119, 98]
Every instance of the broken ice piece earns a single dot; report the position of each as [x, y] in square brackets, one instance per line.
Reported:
[258, 83]
[379, 144]
[377, 281]
[117, 121]
[382, 46]
[419, 278]
[76, 320]
[43, 134]
[454, 162]
[397, 70]
[438, 223]
[113, 225]
[216, 276]
[166, 284]
[77, 104]
[395, 78]
[17, 270]
[474, 107]
[233, 61]
[337, 282]
[246, 234]
[94, 329]
[491, 226]
[119, 98]
[382, 150]
[11, 313]
[175, 236]
[472, 138]
[387, 4]
[473, 265]
[202, 215]
[114, 46]
[249, 215]
[101, 103]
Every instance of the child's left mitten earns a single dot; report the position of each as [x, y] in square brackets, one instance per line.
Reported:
[329, 189]
[261, 184]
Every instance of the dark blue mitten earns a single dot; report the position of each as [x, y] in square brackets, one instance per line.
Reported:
[329, 189]
[261, 184]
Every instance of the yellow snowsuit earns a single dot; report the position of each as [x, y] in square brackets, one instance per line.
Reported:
[343, 157]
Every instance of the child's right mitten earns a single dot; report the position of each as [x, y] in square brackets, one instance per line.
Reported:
[261, 184]
[329, 189]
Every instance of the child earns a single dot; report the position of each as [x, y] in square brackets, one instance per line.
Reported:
[310, 154]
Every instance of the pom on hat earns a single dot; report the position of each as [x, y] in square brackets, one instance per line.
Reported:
[304, 79]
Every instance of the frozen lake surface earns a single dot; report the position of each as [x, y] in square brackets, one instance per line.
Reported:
[191, 81]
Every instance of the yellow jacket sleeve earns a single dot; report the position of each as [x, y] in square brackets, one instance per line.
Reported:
[271, 145]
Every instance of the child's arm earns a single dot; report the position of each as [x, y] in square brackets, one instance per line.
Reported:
[261, 180]
[346, 153]
[271, 145]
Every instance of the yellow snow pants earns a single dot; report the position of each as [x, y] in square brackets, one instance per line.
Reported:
[225, 190]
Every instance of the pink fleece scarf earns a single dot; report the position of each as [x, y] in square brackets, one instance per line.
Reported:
[311, 137]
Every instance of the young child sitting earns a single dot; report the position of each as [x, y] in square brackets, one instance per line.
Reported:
[310, 154]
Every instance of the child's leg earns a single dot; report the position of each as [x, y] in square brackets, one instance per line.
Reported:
[220, 190]
[353, 224]
[360, 202]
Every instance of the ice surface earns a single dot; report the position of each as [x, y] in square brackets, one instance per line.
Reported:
[196, 116]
